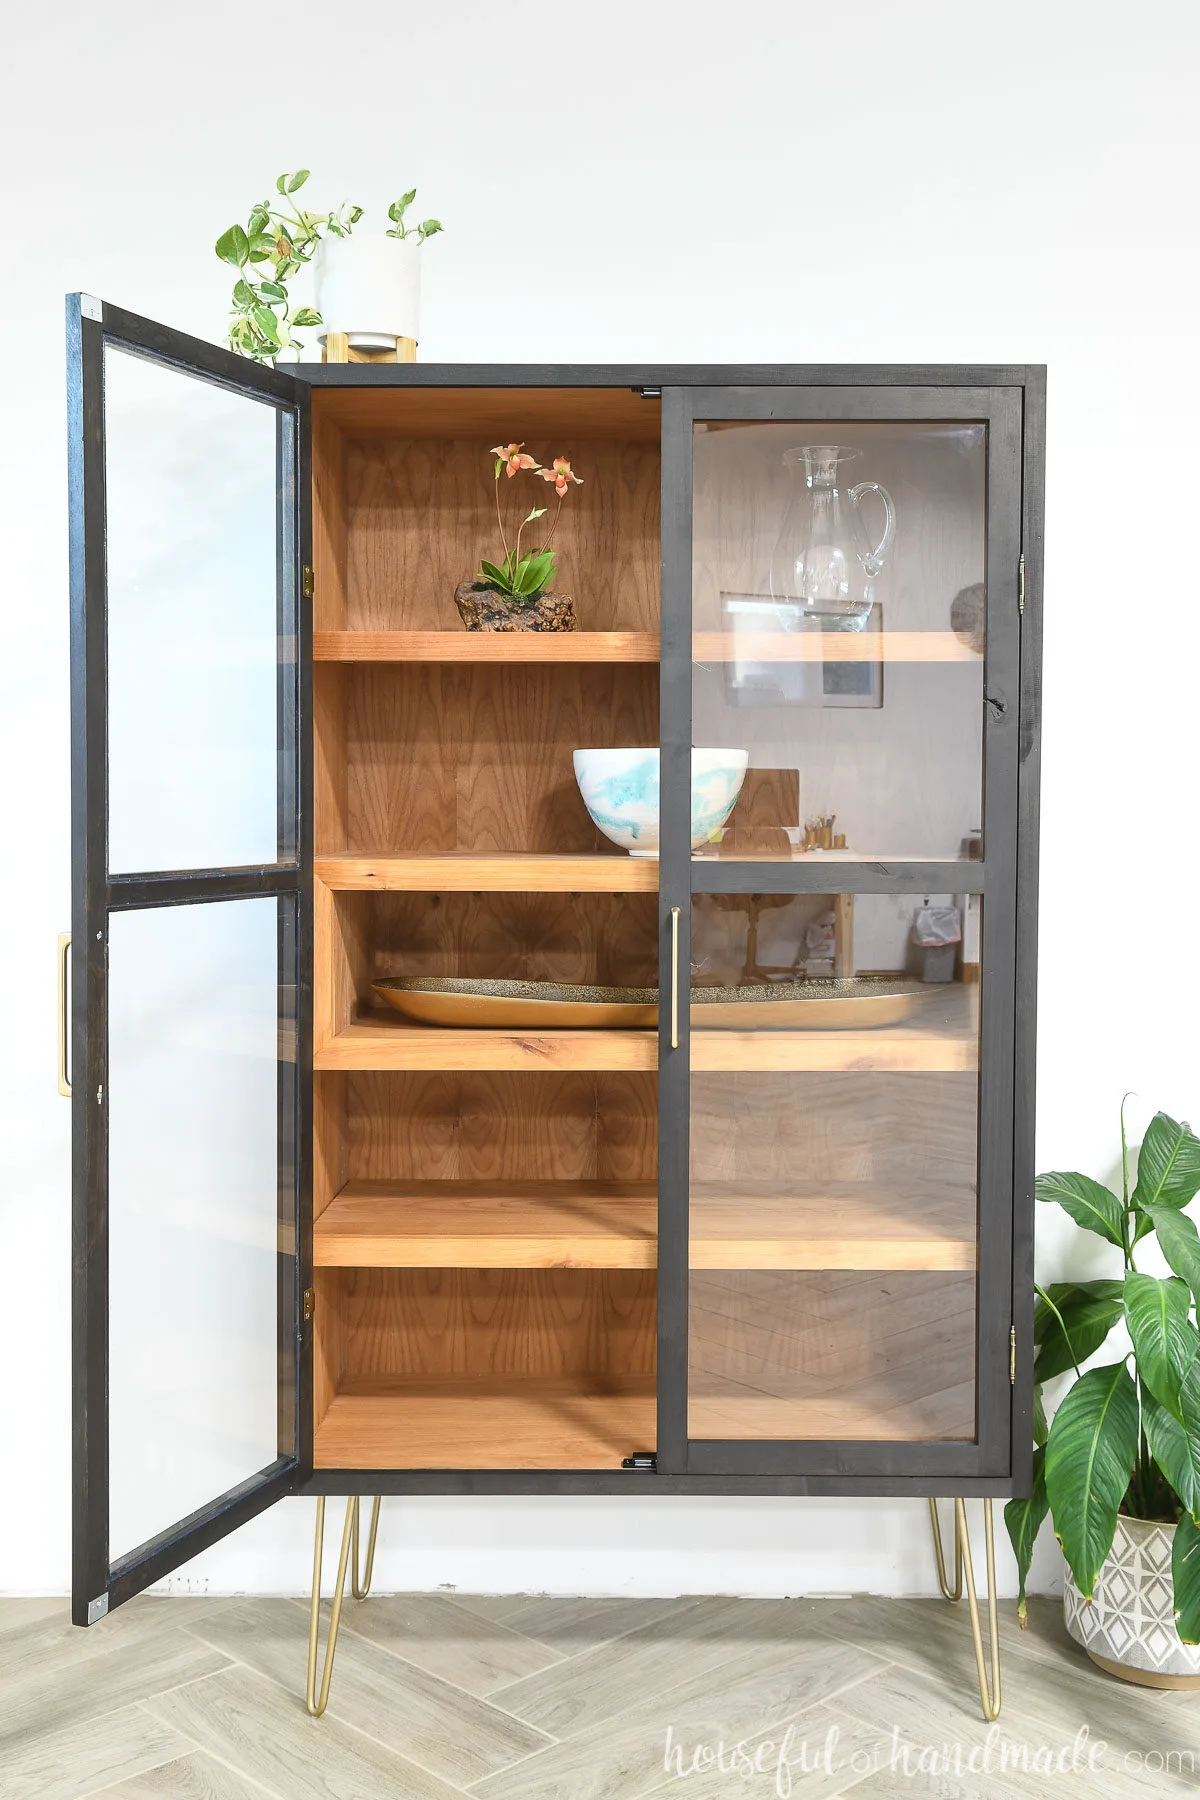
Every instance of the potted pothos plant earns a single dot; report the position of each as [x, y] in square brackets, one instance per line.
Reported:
[515, 594]
[1117, 1467]
[371, 291]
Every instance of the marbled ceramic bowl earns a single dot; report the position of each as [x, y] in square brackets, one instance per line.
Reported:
[620, 790]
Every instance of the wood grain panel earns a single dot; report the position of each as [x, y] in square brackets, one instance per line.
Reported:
[501, 1127]
[499, 1322]
[478, 758]
[883, 1130]
[421, 512]
[572, 1422]
[837, 1225]
[330, 1146]
[486, 646]
[330, 777]
[458, 871]
[898, 1047]
[610, 939]
[502, 413]
[831, 1355]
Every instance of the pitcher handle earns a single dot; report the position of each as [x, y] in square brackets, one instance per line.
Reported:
[874, 559]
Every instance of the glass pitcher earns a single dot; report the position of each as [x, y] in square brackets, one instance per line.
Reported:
[826, 561]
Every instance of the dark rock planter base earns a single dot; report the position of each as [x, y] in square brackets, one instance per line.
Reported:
[485, 608]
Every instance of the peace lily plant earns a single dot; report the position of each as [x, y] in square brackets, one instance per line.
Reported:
[1125, 1438]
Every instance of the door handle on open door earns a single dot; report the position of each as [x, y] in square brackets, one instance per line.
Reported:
[674, 978]
[64, 958]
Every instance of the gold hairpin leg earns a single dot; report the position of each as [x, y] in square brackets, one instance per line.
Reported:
[989, 1695]
[955, 1592]
[317, 1703]
[360, 1588]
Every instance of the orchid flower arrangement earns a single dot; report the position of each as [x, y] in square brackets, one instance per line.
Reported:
[524, 578]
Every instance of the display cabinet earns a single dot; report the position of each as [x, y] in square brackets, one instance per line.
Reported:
[323, 1248]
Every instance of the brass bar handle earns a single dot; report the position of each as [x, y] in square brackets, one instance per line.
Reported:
[674, 978]
[64, 959]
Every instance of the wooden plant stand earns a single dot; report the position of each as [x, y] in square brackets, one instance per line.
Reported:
[337, 350]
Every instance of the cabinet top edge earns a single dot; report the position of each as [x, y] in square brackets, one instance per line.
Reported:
[633, 375]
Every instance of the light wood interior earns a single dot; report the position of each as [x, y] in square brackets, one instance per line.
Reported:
[485, 1202]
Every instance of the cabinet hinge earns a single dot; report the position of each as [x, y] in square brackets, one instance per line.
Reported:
[649, 393]
[310, 1304]
[1021, 583]
[1012, 1356]
[641, 1459]
[306, 581]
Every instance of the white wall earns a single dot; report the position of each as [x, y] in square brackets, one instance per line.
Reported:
[781, 182]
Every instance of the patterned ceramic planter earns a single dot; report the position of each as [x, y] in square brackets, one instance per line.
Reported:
[1129, 1627]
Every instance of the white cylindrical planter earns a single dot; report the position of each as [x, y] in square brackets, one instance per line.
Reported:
[370, 288]
[1129, 1625]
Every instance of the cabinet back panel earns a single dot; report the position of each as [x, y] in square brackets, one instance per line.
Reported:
[831, 1354]
[499, 1322]
[419, 513]
[472, 757]
[581, 938]
[501, 1127]
[858, 1126]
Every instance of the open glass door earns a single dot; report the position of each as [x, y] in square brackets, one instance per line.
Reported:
[190, 1030]
[844, 651]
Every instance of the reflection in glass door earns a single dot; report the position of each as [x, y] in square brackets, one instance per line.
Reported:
[849, 674]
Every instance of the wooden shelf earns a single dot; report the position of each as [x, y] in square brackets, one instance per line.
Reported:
[378, 1044]
[486, 646]
[894, 1049]
[476, 1422]
[832, 646]
[836, 1225]
[867, 1411]
[455, 871]
[485, 1225]
[613, 1225]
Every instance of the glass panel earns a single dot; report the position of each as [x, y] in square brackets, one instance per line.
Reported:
[193, 638]
[838, 612]
[196, 1081]
[834, 1153]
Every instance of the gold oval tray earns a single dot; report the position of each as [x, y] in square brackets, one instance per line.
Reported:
[823, 1004]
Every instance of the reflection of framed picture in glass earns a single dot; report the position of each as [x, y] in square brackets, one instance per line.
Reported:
[759, 679]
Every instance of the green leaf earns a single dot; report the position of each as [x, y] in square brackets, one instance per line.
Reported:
[399, 207]
[259, 219]
[539, 512]
[1089, 1203]
[1175, 1442]
[1179, 1242]
[1164, 1342]
[1185, 1569]
[297, 180]
[1087, 1309]
[1024, 1519]
[497, 576]
[1041, 1431]
[243, 294]
[306, 315]
[281, 184]
[267, 323]
[274, 290]
[1089, 1458]
[429, 228]
[1168, 1164]
[233, 247]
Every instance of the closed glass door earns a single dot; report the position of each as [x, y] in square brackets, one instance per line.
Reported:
[839, 891]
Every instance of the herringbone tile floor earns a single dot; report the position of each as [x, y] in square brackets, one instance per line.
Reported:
[437, 1695]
